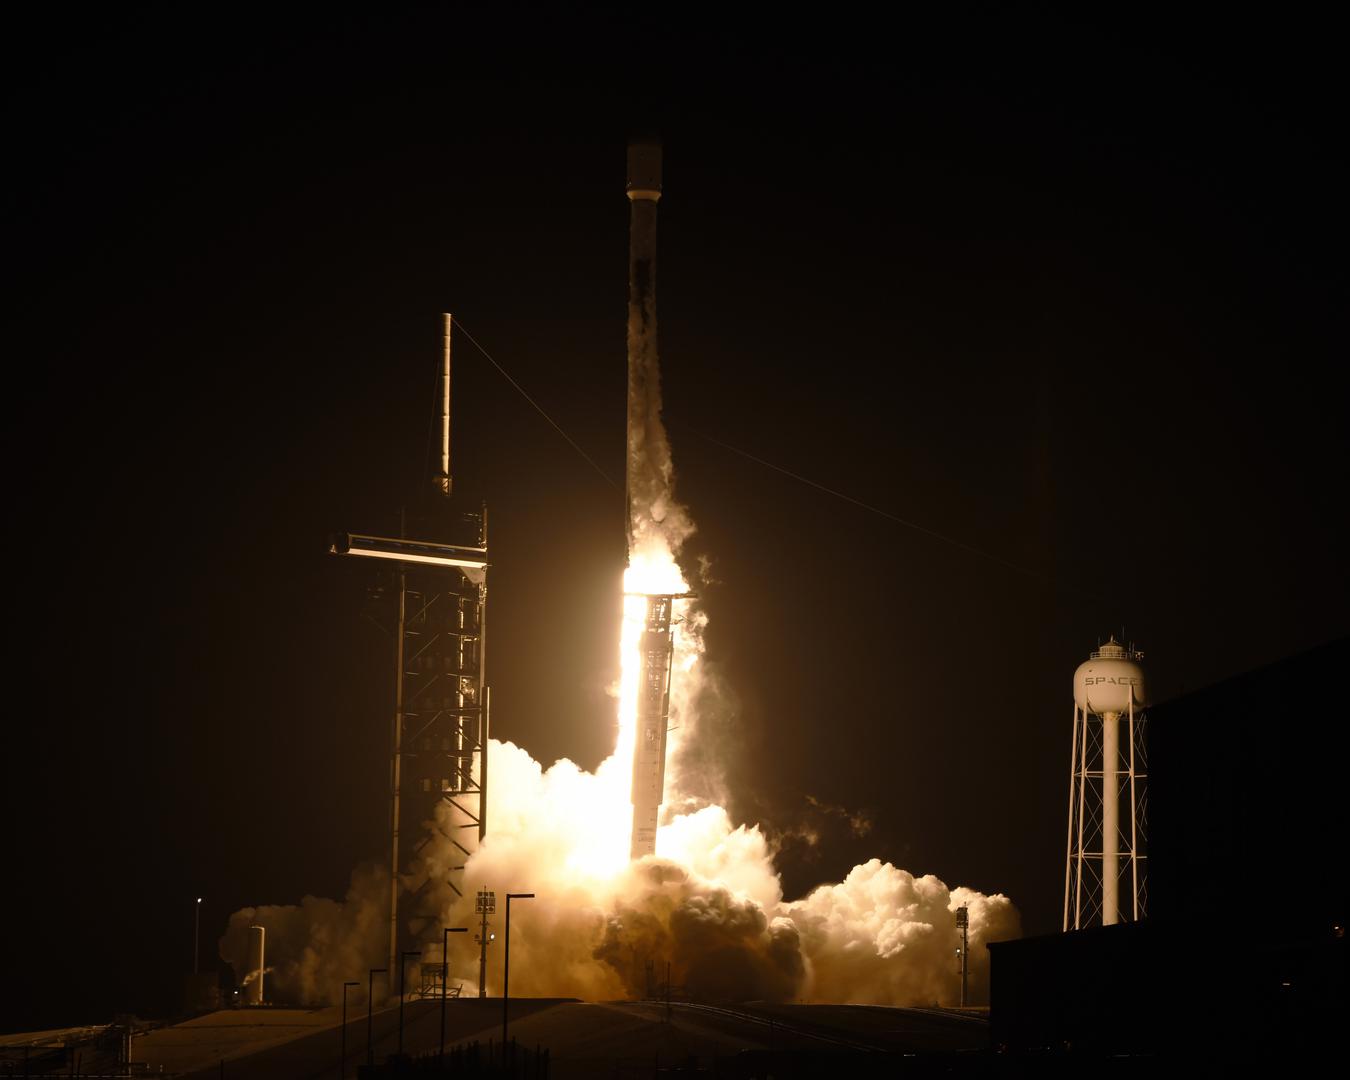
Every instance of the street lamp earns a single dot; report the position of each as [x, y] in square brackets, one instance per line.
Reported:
[506, 961]
[402, 991]
[342, 1061]
[196, 934]
[370, 1012]
[445, 977]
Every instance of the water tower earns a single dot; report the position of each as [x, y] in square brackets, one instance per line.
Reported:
[1108, 791]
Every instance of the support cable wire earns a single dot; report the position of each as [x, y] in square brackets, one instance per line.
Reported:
[459, 325]
[885, 514]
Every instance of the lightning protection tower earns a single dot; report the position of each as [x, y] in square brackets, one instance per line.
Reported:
[440, 724]
[1108, 791]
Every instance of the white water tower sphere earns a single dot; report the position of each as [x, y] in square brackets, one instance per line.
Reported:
[1104, 684]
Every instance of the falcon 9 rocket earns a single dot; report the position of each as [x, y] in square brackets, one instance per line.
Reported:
[646, 484]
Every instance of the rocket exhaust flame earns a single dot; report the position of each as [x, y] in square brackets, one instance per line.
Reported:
[619, 893]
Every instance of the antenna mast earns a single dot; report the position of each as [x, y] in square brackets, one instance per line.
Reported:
[444, 484]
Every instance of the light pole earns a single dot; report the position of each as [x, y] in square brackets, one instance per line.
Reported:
[402, 991]
[445, 976]
[196, 934]
[370, 1012]
[963, 924]
[506, 961]
[485, 905]
[342, 1062]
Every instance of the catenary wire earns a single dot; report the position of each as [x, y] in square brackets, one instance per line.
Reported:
[882, 513]
[459, 325]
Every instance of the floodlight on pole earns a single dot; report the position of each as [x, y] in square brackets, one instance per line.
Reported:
[196, 935]
[506, 961]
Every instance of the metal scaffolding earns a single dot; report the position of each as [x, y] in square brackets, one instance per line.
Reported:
[440, 758]
[438, 764]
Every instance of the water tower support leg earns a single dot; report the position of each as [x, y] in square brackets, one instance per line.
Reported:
[1068, 843]
[1110, 818]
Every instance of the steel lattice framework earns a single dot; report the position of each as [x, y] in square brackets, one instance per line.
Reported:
[438, 762]
[444, 721]
[1091, 779]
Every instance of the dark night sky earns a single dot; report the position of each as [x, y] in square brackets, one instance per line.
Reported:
[1071, 294]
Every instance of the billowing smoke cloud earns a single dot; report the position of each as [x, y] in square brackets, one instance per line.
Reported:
[710, 902]
[316, 945]
[710, 905]
[883, 935]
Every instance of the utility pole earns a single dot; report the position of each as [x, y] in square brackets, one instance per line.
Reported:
[963, 924]
[403, 991]
[506, 961]
[485, 905]
[445, 977]
[342, 1061]
[396, 755]
[370, 1012]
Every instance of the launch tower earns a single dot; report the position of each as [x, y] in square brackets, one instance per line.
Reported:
[440, 724]
[1107, 776]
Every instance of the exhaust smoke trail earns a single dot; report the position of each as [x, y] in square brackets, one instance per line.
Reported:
[709, 901]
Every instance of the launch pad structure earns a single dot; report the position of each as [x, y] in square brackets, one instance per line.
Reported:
[441, 718]
[439, 730]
